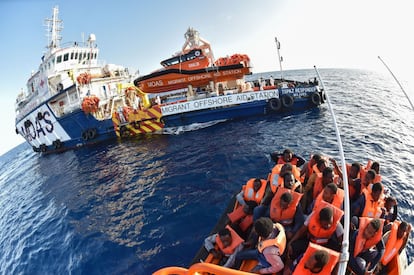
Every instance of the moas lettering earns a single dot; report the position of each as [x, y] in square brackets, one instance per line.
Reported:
[192, 65]
[40, 127]
[156, 83]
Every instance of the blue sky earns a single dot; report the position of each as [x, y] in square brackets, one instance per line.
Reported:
[139, 34]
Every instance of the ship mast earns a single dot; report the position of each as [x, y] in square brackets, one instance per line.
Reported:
[54, 27]
[193, 40]
[279, 57]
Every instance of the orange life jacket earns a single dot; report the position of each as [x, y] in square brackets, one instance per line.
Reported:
[276, 181]
[377, 176]
[279, 240]
[320, 235]
[318, 185]
[362, 244]
[308, 173]
[249, 193]
[315, 169]
[293, 161]
[348, 169]
[312, 248]
[337, 200]
[284, 216]
[393, 245]
[372, 208]
[236, 240]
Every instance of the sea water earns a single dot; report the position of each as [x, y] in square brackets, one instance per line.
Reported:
[134, 206]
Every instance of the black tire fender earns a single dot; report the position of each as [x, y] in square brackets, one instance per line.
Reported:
[275, 104]
[316, 98]
[91, 133]
[287, 101]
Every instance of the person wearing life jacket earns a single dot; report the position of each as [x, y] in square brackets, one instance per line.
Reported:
[271, 245]
[370, 204]
[316, 260]
[286, 210]
[374, 165]
[354, 178]
[288, 181]
[287, 156]
[250, 196]
[224, 245]
[307, 199]
[317, 168]
[395, 241]
[366, 245]
[331, 194]
[322, 226]
[313, 189]
[307, 169]
[278, 171]
[390, 209]
[368, 179]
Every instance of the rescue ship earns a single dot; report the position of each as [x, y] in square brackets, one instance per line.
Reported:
[192, 87]
[221, 245]
[68, 102]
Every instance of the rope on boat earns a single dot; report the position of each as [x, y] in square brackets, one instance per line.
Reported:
[412, 106]
[345, 243]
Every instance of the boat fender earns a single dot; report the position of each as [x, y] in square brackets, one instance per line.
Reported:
[323, 96]
[85, 135]
[123, 131]
[275, 104]
[316, 98]
[287, 101]
[43, 148]
[91, 133]
[39, 116]
[17, 131]
[57, 144]
[37, 150]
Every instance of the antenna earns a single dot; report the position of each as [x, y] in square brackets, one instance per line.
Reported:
[54, 27]
[279, 57]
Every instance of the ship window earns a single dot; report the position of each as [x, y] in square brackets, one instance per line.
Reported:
[181, 58]
[89, 56]
[59, 59]
[76, 55]
[171, 61]
[71, 55]
[66, 57]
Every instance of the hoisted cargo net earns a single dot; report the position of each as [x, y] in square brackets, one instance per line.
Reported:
[90, 104]
[222, 61]
[238, 58]
[84, 78]
[232, 60]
